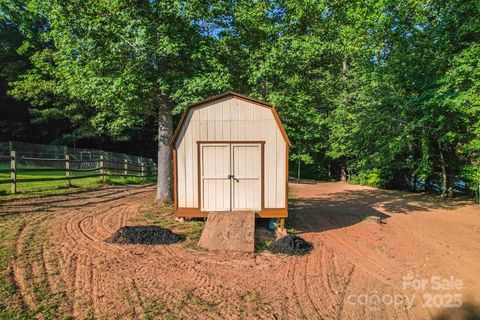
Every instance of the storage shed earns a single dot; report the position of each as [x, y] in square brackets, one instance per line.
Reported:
[230, 153]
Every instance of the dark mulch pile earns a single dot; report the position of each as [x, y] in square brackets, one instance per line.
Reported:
[144, 235]
[291, 245]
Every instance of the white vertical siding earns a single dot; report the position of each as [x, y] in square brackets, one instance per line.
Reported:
[215, 183]
[231, 119]
[247, 169]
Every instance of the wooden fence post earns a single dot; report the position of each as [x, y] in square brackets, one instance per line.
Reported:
[102, 168]
[125, 167]
[478, 193]
[143, 171]
[67, 170]
[13, 172]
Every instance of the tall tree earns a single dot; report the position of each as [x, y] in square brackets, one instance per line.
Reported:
[385, 92]
[110, 64]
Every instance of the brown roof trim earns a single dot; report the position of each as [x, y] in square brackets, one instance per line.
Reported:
[280, 126]
[221, 96]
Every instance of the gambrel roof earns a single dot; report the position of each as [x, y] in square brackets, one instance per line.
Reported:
[222, 96]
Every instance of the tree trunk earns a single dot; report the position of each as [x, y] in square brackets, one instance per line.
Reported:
[450, 184]
[414, 183]
[478, 193]
[298, 168]
[343, 172]
[164, 174]
[443, 167]
[428, 181]
[343, 162]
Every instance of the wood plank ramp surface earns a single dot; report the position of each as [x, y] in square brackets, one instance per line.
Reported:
[232, 231]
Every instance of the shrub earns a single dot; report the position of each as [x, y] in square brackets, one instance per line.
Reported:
[370, 178]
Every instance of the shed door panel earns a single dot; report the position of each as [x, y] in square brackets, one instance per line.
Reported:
[215, 184]
[246, 168]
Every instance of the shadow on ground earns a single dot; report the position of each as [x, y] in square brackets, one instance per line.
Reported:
[264, 237]
[467, 311]
[326, 211]
[73, 200]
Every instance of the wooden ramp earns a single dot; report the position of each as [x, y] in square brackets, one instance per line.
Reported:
[233, 231]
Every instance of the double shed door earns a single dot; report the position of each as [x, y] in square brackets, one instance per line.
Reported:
[230, 176]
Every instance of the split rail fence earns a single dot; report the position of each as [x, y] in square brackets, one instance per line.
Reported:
[67, 168]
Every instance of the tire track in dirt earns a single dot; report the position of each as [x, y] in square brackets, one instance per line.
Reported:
[369, 275]
[49, 203]
[27, 270]
[314, 284]
[307, 287]
[226, 303]
[164, 295]
[317, 287]
[19, 276]
[343, 293]
[56, 281]
[87, 230]
[44, 269]
[335, 280]
[82, 289]
[82, 229]
[36, 268]
[69, 255]
[79, 229]
[83, 242]
[108, 222]
[108, 280]
[343, 277]
[359, 259]
[291, 291]
[204, 287]
[72, 227]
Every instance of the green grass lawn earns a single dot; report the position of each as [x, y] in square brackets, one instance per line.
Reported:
[41, 186]
[49, 305]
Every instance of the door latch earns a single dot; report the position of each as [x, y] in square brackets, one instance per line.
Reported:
[232, 176]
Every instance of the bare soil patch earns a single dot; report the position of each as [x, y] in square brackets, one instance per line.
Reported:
[60, 254]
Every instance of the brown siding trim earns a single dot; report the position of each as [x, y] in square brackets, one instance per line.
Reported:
[174, 169]
[273, 213]
[199, 176]
[190, 213]
[262, 174]
[280, 126]
[230, 142]
[266, 213]
[286, 177]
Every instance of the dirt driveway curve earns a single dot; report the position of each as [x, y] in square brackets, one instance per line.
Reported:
[352, 257]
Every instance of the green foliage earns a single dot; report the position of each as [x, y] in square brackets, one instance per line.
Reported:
[107, 65]
[370, 178]
[385, 91]
[411, 109]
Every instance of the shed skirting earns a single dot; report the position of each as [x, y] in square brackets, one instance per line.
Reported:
[265, 213]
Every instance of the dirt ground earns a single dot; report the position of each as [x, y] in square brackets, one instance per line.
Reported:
[354, 272]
